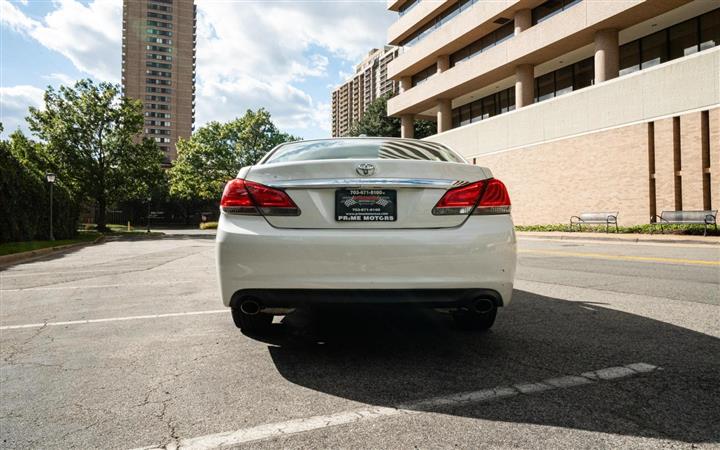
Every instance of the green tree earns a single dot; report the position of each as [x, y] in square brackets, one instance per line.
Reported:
[216, 152]
[375, 122]
[92, 135]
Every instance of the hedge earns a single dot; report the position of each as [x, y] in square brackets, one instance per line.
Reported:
[24, 204]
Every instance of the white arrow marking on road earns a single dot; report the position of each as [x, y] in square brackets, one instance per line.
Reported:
[272, 430]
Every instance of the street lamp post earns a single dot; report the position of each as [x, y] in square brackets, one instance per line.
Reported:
[149, 213]
[50, 177]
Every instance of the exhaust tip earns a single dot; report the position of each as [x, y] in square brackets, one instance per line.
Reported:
[483, 305]
[250, 307]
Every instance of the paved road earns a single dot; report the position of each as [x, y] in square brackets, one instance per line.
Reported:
[126, 345]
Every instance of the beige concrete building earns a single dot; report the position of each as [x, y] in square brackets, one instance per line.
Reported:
[158, 67]
[578, 105]
[351, 99]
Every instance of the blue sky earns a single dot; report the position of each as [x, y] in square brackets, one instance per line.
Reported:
[285, 55]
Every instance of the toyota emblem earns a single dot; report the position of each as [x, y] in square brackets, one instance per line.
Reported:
[365, 169]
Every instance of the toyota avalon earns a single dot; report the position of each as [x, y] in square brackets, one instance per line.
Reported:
[365, 220]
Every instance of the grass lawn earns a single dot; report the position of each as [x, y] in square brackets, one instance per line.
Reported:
[18, 247]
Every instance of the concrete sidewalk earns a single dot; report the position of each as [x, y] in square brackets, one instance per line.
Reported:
[660, 238]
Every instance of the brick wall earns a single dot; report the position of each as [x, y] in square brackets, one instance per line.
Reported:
[609, 171]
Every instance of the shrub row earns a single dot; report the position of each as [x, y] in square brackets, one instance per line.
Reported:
[25, 204]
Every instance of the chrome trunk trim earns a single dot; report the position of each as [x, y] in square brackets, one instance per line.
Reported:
[332, 183]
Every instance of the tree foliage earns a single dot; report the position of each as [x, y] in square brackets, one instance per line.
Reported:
[216, 152]
[92, 140]
[25, 197]
[375, 122]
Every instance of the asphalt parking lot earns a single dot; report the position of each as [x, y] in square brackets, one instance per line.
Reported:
[127, 345]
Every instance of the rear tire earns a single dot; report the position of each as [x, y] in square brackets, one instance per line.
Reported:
[471, 320]
[256, 323]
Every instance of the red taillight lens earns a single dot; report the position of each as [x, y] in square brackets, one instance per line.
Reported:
[495, 199]
[236, 199]
[482, 197]
[246, 197]
[459, 200]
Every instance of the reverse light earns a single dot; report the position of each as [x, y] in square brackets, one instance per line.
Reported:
[482, 197]
[250, 198]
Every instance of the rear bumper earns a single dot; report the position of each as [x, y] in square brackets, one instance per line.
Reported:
[433, 298]
[399, 265]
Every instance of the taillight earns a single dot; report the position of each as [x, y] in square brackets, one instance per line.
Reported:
[482, 197]
[246, 197]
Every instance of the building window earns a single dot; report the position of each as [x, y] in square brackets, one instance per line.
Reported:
[159, 7]
[423, 75]
[710, 30]
[160, 57]
[158, 73]
[404, 9]
[158, 65]
[155, 48]
[489, 106]
[155, 40]
[155, 23]
[685, 38]
[153, 15]
[550, 8]
[503, 33]
[630, 57]
[564, 80]
[437, 22]
[654, 49]
[159, 32]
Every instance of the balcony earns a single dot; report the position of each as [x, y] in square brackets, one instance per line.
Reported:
[679, 86]
[552, 38]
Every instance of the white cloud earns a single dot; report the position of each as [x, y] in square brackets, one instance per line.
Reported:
[14, 103]
[90, 36]
[253, 54]
[250, 53]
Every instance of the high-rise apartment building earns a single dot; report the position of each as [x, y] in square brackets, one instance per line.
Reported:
[578, 105]
[351, 99]
[158, 67]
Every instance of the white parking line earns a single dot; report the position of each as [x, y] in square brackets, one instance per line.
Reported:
[272, 430]
[94, 286]
[111, 319]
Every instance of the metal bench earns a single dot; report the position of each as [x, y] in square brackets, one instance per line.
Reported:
[706, 218]
[595, 218]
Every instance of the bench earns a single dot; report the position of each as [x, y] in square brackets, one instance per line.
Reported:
[595, 218]
[706, 218]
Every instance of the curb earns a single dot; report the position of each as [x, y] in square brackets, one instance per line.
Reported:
[7, 260]
[629, 238]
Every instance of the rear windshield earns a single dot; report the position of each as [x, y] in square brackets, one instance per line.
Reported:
[362, 149]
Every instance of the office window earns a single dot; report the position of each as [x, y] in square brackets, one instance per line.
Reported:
[550, 8]
[465, 114]
[563, 80]
[423, 75]
[653, 49]
[683, 39]
[710, 29]
[488, 41]
[489, 107]
[507, 100]
[484, 108]
[584, 73]
[630, 57]
[545, 87]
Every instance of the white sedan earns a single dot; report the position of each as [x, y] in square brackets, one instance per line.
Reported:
[365, 220]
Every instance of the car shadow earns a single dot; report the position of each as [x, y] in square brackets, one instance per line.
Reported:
[391, 356]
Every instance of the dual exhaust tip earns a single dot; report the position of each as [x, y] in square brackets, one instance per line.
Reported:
[250, 306]
[482, 305]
